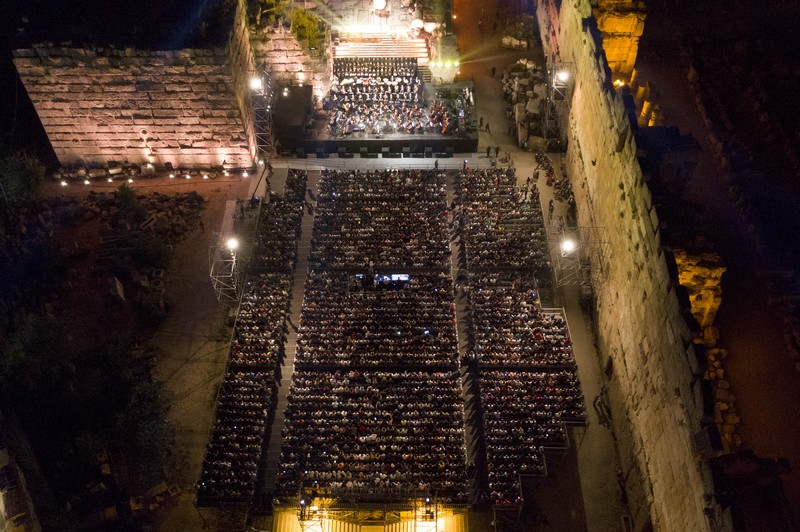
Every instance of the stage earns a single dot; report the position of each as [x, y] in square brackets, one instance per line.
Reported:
[302, 129]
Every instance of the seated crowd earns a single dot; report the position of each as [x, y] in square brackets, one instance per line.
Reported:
[349, 325]
[383, 95]
[278, 228]
[260, 332]
[527, 372]
[369, 412]
[234, 450]
[499, 228]
[380, 219]
[374, 431]
[523, 412]
[237, 437]
[509, 327]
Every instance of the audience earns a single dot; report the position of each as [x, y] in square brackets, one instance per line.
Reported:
[380, 219]
[374, 431]
[237, 437]
[499, 227]
[234, 450]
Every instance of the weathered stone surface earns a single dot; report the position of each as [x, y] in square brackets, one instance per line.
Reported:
[130, 104]
[656, 410]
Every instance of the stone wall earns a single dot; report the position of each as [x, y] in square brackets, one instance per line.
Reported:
[289, 63]
[645, 343]
[99, 105]
[243, 69]
[622, 24]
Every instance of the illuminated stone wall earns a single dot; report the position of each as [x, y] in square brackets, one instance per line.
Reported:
[645, 343]
[622, 24]
[99, 105]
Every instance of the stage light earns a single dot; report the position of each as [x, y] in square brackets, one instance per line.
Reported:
[149, 165]
[448, 64]
[261, 162]
[439, 64]
[110, 180]
[172, 176]
[130, 180]
[455, 63]
[86, 182]
[205, 176]
[562, 76]
[232, 244]
[567, 246]
[245, 174]
[63, 183]
[188, 176]
[255, 83]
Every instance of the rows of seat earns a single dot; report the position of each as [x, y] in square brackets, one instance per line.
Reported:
[496, 221]
[380, 219]
[235, 447]
[348, 324]
[527, 375]
[375, 408]
[383, 430]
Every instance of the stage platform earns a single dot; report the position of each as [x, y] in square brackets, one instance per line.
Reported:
[302, 131]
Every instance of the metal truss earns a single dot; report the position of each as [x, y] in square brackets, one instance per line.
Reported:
[581, 254]
[261, 100]
[560, 80]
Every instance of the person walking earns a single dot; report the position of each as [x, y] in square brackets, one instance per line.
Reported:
[497, 151]
[488, 151]
[487, 127]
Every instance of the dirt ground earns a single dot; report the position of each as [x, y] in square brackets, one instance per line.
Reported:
[191, 345]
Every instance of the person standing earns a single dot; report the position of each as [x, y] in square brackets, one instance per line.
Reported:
[488, 151]
[497, 151]
[487, 127]
[494, 71]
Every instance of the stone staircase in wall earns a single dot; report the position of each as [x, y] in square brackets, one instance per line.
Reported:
[367, 45]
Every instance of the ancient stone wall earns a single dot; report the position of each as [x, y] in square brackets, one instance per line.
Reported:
[289, 63]
[243, 69]
[99, 105]
[622, 24]
[645, 343]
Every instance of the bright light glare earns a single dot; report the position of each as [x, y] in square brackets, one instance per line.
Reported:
[567, 246]
[255, 83]
[562, 75]
[130, 180]
[232, 244]
[63, 183]
[86, 182]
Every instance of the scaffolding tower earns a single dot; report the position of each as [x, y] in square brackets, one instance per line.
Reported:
[261, 100]
[581, 254]
[225, 266]
[559, 93]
